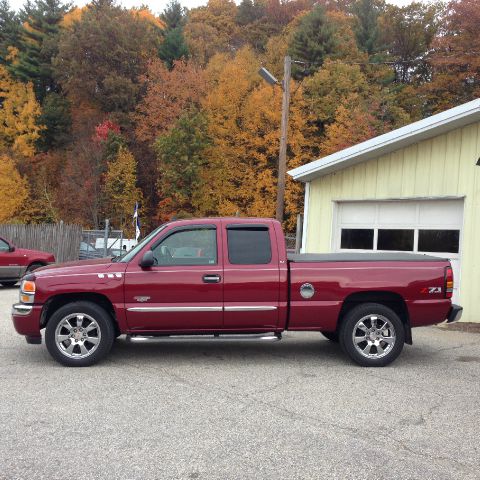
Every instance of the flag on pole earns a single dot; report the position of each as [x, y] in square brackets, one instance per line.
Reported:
[136, 222]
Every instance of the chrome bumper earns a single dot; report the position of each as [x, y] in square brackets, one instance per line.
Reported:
[21, 309]
[455, 314]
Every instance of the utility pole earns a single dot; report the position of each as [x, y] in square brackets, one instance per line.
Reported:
[282, 157]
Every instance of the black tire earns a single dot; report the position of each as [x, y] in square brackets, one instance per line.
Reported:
[94, 315]
[8, 284]
[33, 267]
[332, 336]
[372, 314]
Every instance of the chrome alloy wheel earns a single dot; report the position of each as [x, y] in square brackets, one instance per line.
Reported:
[77, 335]
[374, 336]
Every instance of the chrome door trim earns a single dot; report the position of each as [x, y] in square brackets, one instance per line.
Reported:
[244, 308]
[250, 308]
[174, 309]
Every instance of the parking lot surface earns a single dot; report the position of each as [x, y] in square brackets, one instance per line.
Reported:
[296, 409]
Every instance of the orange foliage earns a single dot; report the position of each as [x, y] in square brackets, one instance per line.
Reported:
[168, 94]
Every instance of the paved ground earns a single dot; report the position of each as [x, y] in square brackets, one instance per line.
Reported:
[296, 409]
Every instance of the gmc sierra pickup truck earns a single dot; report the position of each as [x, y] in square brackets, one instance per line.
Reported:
[15, 262]
[231, 278]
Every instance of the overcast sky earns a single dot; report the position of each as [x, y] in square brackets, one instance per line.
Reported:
[159, 5]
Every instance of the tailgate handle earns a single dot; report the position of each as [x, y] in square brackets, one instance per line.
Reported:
[212, 278]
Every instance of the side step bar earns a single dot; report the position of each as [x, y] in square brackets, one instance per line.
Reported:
[261, 337]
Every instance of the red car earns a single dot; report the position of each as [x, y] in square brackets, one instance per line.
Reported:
[15, 262]
[238, 284]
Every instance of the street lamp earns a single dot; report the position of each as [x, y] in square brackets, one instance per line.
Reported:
[282, 156]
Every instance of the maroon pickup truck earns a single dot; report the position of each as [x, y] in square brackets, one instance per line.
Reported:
[231, 278]
[15, 262]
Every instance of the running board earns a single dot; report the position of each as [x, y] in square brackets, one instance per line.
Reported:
[199, 338]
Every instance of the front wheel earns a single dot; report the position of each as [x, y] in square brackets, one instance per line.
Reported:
[79, 334]
[372, 335]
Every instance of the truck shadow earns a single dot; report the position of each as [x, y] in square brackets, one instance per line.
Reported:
[314, 350]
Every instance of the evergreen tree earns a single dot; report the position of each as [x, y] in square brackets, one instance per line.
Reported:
[173, 47]
[9, 30]
[174, 15]
[312, 42]
[181, 155]
[249, 11]
[39, 44]
[56, 122]
[366, 27]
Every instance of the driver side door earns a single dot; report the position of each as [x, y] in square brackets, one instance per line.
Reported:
[183, 290]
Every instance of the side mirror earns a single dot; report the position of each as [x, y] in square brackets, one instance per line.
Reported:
[11, 249]
[147, 260]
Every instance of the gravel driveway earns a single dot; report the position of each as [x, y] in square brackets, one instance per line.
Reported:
[296, 409]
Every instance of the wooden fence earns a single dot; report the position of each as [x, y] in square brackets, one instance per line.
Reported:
[60, 239]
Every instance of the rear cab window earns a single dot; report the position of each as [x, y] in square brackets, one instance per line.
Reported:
[249, 244]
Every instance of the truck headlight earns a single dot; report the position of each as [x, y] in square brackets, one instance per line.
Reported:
[27, 291]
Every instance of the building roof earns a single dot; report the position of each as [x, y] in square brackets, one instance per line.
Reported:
[389, 142]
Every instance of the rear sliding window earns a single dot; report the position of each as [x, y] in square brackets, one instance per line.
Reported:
[249, 245]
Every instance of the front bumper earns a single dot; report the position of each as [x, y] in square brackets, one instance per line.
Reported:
[26, 320]
[455, 314]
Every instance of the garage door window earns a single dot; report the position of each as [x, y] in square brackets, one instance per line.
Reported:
[438, 241]
[395, 239]
[357, 238]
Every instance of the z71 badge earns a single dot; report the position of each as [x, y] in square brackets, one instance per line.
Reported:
[431, 290]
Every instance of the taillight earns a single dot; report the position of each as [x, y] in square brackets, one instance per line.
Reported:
[448, 282]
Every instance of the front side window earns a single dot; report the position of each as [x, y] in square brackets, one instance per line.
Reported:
[4, 246]
[197, 246]
[249, 245]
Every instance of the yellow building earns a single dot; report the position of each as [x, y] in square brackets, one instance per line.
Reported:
[414, 189]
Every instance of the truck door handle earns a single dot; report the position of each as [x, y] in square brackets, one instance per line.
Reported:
[211, 278]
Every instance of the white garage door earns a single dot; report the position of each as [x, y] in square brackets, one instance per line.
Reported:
[424, 226]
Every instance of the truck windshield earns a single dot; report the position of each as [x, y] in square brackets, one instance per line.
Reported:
[131, 254]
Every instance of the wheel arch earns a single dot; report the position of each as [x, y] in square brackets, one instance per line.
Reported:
[41, 263]
[390, 299]
[58, 301]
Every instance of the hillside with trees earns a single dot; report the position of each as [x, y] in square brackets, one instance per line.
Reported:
[103, 106]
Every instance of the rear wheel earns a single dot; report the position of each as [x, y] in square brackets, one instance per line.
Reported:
[79, 334]
[332, 336]
[372, 335]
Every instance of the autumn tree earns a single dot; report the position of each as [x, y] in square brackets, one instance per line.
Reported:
[407, 33]
[240, 175]
[211, 29]
[351, 126]
[168, 94]
[13, 189]
[121, 191]
[455, 59]
[19, 112]
[102, 55]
